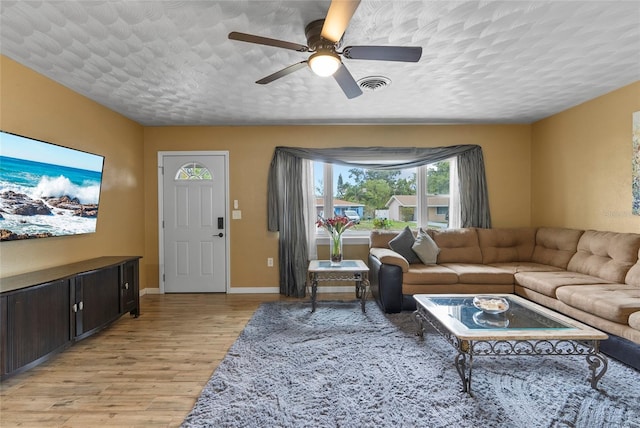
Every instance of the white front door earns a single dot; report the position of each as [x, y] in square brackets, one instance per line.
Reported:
[193, 222]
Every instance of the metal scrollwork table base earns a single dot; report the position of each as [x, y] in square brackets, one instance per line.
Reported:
[583, 340]
[348, 270]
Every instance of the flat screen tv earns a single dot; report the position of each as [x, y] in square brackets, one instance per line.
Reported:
[46, 190]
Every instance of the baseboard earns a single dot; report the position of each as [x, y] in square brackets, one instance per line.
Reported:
[253, 290]
[149, 290]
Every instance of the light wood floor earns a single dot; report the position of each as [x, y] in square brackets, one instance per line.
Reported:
[137, 372]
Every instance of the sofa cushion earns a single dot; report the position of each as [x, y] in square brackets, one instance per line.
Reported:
[390, 257]
[614, 302]
[469, 273]
[548, 282]
[515, 267]
[634, 320]
[555, 246]
[458, 246]
[633, 276]
[402, 244]
[608, 255]
[425, 248]
[506, 245]
[381, 238]
[429, 274]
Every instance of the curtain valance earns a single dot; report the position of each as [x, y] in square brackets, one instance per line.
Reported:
[380, 158]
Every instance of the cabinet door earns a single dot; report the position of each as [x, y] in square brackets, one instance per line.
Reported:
[3, 335]
[97, 300]
[129, 288]
[38, 321]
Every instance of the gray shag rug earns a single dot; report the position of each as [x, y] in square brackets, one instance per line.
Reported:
[339, 367]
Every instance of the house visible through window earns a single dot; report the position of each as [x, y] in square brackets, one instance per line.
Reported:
[376, 199]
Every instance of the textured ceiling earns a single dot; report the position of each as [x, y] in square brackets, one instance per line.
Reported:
[171, 63]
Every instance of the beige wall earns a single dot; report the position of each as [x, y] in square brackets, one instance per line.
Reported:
[572, 169]
[581, 165]
[34, 106]
[506, 150]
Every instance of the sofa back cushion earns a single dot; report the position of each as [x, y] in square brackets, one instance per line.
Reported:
[381, 238]
[607, 255]
[555, 246]
[633, 276]
[457, 245]
[506, 245]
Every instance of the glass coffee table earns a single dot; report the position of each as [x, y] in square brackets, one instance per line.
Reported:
[347, 270]
[525, 328]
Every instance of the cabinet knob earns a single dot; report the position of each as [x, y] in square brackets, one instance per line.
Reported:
[126, 285]
[75, 307]
[81, 305]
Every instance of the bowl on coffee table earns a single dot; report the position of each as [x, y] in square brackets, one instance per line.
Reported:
[490, 321]
[491, 304]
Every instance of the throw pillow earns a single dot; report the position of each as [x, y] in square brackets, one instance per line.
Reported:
[426, 248]
[402, 244]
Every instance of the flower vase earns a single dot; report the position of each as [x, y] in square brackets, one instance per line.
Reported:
[335, 250]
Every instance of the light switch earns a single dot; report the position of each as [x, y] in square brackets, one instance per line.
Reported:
[236, 214]
[235, 204]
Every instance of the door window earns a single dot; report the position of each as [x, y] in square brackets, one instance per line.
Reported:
[193, 171]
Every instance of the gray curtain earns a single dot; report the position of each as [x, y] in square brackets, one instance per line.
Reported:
[286, 215]
[285, 202]
[474, 197]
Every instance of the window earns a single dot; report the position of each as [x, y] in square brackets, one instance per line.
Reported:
[383, 199]
[193, 171]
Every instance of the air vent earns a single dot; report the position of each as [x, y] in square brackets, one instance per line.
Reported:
[373, 83]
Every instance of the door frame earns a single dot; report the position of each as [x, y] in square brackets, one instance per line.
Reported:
[195, 154]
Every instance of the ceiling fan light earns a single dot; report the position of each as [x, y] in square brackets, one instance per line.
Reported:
[324, 63]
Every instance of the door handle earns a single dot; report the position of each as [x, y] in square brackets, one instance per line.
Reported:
[220, 234]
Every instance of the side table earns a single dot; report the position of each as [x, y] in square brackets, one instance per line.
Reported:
[348, 270]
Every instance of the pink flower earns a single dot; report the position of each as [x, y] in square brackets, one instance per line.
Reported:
[335, 225]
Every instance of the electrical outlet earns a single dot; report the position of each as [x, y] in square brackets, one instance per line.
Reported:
[270, 262]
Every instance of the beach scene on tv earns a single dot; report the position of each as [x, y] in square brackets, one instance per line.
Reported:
[46, 190]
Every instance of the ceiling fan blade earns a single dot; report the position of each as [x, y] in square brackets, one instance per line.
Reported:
[338, 17]
[384, 53]
[278, 74]
[347, 82]
[250, 38]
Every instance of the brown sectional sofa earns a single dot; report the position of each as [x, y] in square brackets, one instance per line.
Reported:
[591, 276]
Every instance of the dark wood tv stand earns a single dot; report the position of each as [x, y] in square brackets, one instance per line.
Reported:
[46, 311]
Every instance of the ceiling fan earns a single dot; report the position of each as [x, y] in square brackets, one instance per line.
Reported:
[324, 38]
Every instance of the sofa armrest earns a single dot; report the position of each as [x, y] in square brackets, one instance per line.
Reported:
[390, 257]
[386, 284]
